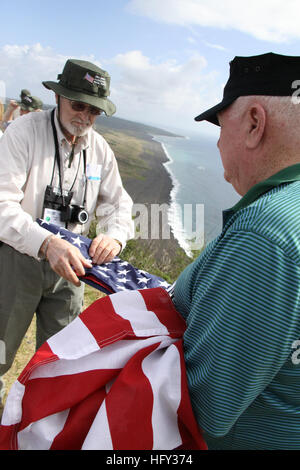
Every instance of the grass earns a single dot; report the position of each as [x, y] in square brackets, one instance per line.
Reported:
[142, 258]
[128, 151]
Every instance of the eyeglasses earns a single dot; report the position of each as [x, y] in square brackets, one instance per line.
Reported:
[81, 107]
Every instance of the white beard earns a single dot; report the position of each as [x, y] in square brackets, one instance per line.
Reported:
[77, 130]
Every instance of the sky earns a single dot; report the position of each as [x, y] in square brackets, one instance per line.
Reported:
[168, 59]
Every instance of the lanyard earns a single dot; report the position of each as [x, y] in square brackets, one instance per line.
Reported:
[58, 161]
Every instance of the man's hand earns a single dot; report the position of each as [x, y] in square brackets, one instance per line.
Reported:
[13, 104]
[65, 259]
[8, 115]
[103, 249]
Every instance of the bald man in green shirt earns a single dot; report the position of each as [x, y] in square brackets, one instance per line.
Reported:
[241, 297]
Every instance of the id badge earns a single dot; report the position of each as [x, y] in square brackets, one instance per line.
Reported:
[93, 172]
[52, 216]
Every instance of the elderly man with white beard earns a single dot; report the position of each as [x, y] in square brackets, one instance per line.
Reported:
[54, 166]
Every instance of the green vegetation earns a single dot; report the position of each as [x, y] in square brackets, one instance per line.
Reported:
[128, 151]
[90, 295]
[140, 257]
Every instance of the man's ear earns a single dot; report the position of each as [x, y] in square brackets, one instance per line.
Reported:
[56, 98]
[256, 123]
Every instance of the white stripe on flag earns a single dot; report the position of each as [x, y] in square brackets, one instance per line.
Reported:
[98, 437]
[113, 356]
[162, 368]
[73, 341]
[12, 413]
[41, 434]
[132, 307]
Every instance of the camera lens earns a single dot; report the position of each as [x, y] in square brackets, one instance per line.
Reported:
[83, 216]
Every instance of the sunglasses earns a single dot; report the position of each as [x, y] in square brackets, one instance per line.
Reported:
[81, 107]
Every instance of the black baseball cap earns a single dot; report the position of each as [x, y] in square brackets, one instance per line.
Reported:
[266, 74]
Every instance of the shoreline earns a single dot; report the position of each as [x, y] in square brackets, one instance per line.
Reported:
[174, 218]
[155, 187]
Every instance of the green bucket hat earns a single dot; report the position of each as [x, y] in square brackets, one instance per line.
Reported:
[85, 82]
[31, 103]
[24, 93]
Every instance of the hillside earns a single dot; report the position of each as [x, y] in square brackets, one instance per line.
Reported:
[135, 128]
[140, 158]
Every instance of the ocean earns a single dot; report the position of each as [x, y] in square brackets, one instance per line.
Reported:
[200, 193]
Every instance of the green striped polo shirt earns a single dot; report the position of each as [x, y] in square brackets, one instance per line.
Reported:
[241, 301]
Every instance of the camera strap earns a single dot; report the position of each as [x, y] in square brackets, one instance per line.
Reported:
[58, 161]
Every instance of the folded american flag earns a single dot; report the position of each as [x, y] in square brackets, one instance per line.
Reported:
[113, 379]
[109, 277]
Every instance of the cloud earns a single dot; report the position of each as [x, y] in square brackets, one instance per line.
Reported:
[168, 91]
[191, 40]
[24, 66]
[159, 92]
[215, 46]
[269, 20]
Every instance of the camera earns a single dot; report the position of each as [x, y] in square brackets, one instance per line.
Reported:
[74, 214]
[58, 208]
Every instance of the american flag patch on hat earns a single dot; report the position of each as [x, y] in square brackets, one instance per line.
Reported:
[89, 78]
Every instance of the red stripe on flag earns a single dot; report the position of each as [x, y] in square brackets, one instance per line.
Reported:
[104, 323]
[46, 396]
[8, 438]
[159, 301]
[192, 438]
[129, 406]
[78, 423]
[44, 355]
[97, 281]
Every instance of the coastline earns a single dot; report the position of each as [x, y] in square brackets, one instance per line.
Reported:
[157, 186]
[174, 218]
